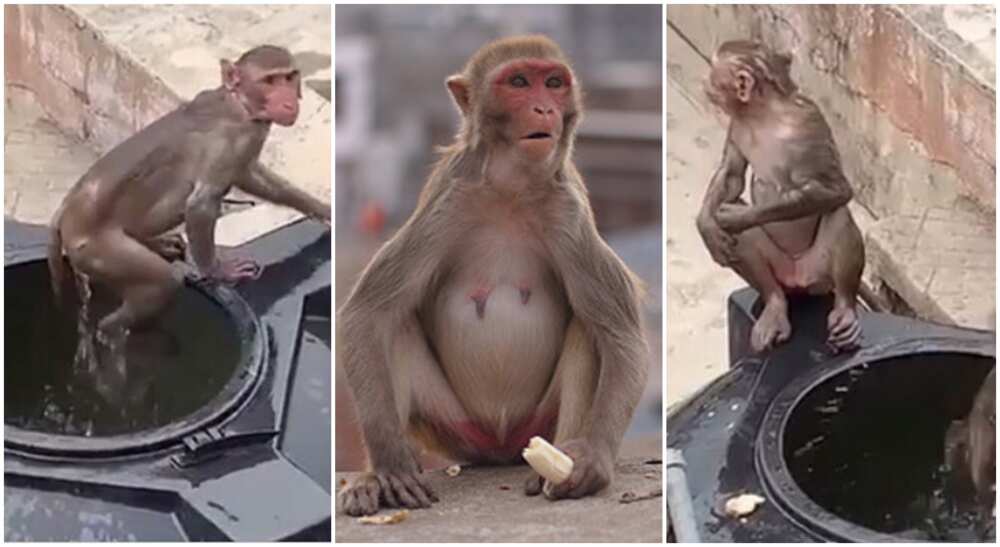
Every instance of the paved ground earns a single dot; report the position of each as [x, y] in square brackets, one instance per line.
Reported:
[697, 288]
[488, 505]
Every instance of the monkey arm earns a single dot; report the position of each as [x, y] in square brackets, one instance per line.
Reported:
[605, 296]
[263, 183]
[387, 292]
[727, 183]
[202, 210]
[808, 196]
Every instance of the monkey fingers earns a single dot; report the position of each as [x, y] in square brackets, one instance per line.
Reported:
[591, 472]
[234, 270]
[361, 496]
[844, 329]
[405, 490]
[533, 484]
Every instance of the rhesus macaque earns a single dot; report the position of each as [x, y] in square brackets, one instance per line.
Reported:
[971, 447]
[112, 225]
[496, 312]
[797, 235]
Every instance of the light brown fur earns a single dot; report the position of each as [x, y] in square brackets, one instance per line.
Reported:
[556, 334]
[797, 235]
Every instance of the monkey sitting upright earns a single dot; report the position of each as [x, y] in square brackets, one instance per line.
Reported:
[497, 312]
[798, 234]
[111, 224]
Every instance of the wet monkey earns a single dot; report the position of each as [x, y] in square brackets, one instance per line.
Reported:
[971, 449]
[496, 312]
[797, 235]
[112, 224]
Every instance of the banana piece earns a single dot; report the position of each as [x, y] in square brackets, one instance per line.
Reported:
[547, 460]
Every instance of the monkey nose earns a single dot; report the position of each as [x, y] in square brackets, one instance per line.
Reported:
[543, 110]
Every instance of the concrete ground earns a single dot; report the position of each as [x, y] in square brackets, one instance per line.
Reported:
[182, 45]
[697, 288]
[487, 504]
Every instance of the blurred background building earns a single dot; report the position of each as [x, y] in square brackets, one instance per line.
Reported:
[392, 110]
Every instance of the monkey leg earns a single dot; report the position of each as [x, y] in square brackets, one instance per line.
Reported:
[417, 382]
[574, 383]
[144, 281]
[834, 264]
[758, 258]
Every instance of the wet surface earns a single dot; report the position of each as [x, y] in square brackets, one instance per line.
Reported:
[488, 504]
[252, 474]
[173, 367]
[729, 431]
[868, 444]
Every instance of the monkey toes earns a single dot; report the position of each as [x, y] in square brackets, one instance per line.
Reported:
[844, 329]
[771, 328]
[369, 491]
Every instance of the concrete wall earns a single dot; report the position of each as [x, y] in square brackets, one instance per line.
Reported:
[914, 123]
[102, 100]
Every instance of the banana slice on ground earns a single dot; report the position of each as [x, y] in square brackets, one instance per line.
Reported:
[547, 460]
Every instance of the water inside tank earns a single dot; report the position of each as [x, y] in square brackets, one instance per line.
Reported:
[868, 444]
[174, 366]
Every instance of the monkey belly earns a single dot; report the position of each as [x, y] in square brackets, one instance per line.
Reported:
[498, 347]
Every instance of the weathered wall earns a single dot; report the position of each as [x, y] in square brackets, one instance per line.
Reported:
[102, 100]
[915, 125]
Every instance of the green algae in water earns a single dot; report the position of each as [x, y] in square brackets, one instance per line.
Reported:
[175, 365]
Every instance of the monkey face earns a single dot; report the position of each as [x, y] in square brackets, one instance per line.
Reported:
[280, 92]
[533, 98]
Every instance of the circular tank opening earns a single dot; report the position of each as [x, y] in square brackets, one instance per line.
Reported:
[183, 370]
[867, 444]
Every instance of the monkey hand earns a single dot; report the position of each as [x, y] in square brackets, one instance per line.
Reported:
[371, 490]
[720, 243]
[592, 468]
[733, 217]
[234, 269]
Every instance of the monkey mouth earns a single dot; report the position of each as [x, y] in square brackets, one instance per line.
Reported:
[537, 135]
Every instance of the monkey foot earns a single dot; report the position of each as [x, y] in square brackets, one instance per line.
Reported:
[533, 485]
[771, 328]
[369, 491]
[844, 329]
[170, 246]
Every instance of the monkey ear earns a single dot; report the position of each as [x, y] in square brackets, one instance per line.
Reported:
[230, 74]
[744, 85]
[459, 88]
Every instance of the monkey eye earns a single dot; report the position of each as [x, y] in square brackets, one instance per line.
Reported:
[519, 81]
[554, 82]
[269, 79]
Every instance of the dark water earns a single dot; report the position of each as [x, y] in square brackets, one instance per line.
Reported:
[174, 366]
[868, 444]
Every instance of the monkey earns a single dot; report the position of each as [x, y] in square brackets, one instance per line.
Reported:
[112, 227]
[970, 449]
[797, 235]
[496, 312]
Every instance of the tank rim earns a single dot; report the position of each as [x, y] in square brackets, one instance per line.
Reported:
[769, 453]
[223, 406]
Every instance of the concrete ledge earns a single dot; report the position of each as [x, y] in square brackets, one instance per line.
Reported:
[487, 504]
[942, 264]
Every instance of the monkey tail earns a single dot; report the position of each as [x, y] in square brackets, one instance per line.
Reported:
[57, 265]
